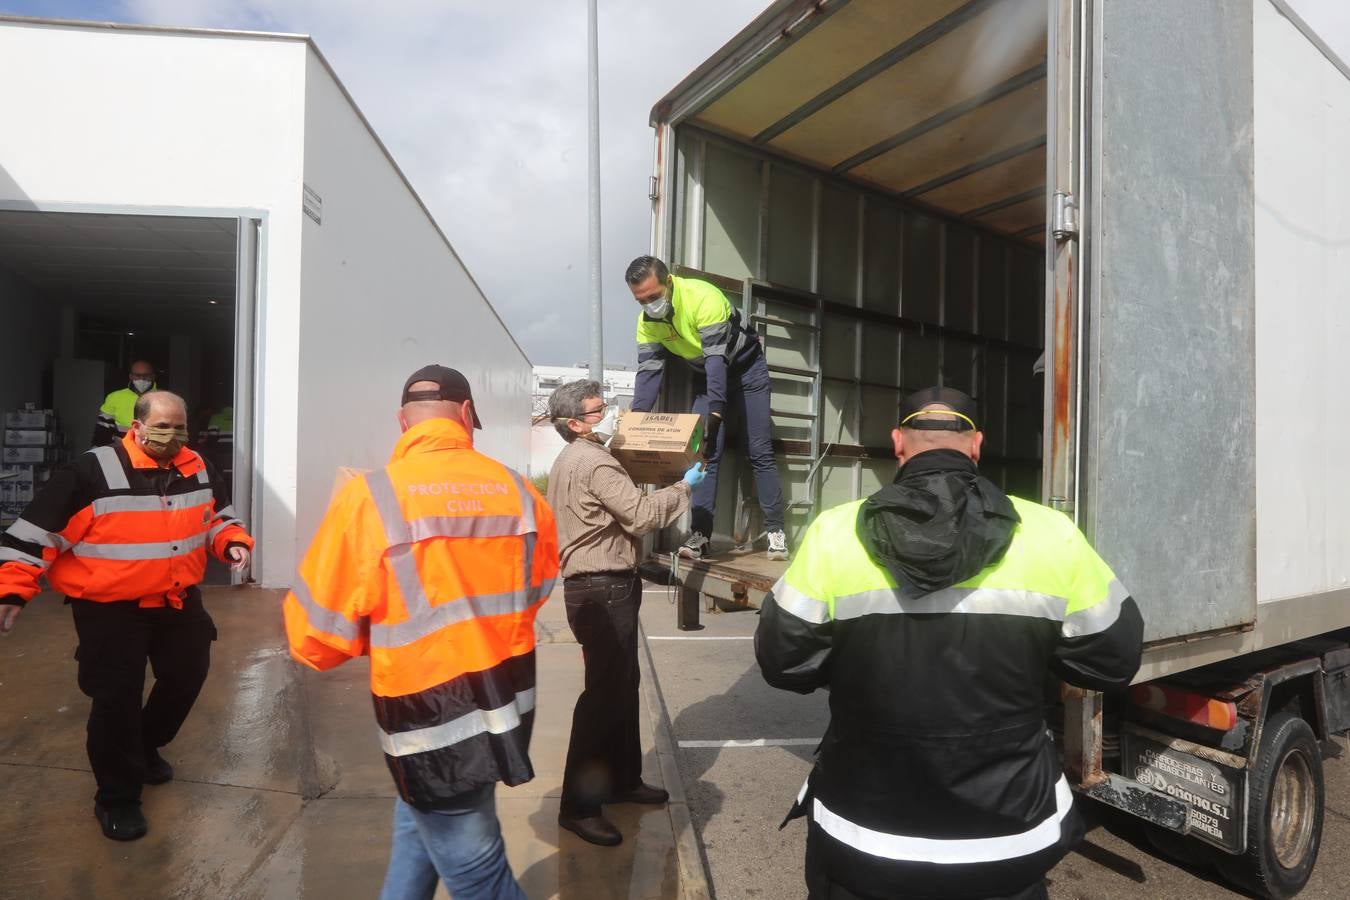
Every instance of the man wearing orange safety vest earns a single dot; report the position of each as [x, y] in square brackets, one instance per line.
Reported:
[434, 567]
[123, 531]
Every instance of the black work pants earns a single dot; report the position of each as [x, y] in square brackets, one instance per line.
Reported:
[604, 755]
[748, 400]
[821, 884]
[116, 640]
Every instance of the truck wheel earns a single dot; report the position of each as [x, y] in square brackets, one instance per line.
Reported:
[1285, 797]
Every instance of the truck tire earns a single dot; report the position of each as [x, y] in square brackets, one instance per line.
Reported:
[1285, 799]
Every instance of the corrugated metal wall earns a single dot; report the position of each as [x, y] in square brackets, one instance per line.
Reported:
[860, 298]
[1169, 473]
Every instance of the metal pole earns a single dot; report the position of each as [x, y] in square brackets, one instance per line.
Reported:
[593, 66]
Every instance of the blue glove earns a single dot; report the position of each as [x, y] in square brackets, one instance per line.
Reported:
[695, 475]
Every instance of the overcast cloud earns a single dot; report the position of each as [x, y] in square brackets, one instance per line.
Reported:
[483, 104]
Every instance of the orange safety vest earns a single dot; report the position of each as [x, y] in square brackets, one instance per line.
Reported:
[113, 525]
[434, 566]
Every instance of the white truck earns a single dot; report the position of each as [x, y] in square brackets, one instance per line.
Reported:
[1147, 201]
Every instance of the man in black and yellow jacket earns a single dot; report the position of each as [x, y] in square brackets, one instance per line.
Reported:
[689, 319]
[118, 409]
[123, 531]
[933, 611]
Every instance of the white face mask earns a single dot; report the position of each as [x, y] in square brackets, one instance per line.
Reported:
[141, 385]
[657, 309]
[604, 429]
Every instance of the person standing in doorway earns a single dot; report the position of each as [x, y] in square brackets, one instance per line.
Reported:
[123, 531]
[693, 320]
[601, 517]
[116, 413]
[434, 566]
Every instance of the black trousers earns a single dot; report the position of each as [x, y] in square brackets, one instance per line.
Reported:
[604, 755]
[116, 640]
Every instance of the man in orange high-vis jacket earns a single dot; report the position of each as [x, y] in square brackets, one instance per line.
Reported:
[435, 566]
[123, 531]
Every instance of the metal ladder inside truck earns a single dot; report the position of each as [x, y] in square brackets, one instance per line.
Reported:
[793, 319]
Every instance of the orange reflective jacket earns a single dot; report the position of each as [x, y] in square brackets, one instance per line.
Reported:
[114, 525]
[434, 566]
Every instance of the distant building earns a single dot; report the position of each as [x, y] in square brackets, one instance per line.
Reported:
[545, 443]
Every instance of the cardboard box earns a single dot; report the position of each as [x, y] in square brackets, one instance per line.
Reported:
[16, 437]
[18, 474]
[41, 419]
[14, 492]
[657, 448]
[13, 456]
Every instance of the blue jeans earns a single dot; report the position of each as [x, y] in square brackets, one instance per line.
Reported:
[748, 400]
[461, 845]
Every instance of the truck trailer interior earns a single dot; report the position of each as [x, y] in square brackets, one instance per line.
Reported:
[873, 196]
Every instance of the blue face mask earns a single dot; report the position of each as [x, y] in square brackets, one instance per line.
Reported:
[657, 309]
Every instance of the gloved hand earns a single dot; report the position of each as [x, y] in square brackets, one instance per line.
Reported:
[695, 475]
[710, 432]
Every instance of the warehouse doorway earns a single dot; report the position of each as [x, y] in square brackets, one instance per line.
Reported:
[84, 295]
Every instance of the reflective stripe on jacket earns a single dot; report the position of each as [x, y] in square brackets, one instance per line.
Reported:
[937, 774]
[113, 525]
[704, 330]
[434, 566]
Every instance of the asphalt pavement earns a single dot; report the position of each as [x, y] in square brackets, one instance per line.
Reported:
[743, 750]
[280, 791]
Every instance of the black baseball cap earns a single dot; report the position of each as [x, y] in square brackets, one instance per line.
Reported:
[451, 385]
[957, 402]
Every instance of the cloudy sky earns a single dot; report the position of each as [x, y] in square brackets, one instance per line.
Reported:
[483, 104]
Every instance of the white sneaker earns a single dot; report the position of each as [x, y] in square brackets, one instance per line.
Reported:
[778, 545]
[696, 547]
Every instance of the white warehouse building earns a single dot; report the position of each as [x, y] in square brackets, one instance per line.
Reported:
[215, 202]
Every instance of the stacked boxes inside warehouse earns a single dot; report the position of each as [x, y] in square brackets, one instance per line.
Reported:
[32, 448]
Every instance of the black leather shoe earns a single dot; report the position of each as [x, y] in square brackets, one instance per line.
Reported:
[121, 823]
[157, 771]
[643, 793]
[595, 829]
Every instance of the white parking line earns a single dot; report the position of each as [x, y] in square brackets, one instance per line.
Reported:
[759, 742]
[695, 637]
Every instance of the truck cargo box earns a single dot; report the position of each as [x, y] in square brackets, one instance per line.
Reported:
[1151, 194]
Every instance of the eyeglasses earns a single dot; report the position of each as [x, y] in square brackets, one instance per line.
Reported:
[600, 411]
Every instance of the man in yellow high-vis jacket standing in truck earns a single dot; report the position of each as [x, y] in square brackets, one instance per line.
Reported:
[693, 320]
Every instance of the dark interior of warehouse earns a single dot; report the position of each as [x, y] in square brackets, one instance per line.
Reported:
[82, 297]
